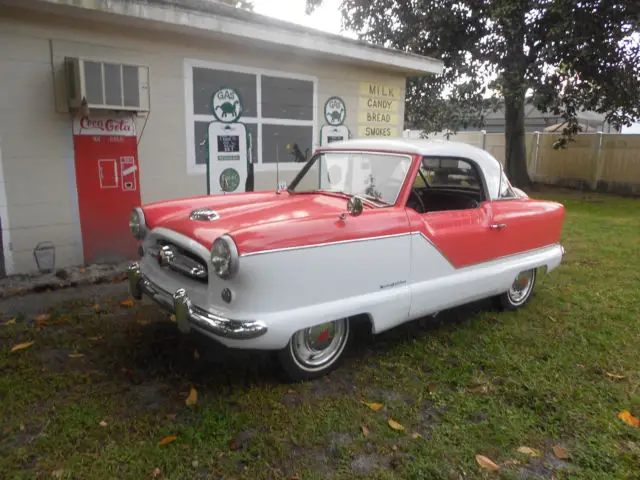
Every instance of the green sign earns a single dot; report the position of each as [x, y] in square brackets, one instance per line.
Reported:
[226, 105]
[335, 111]
[229, 180]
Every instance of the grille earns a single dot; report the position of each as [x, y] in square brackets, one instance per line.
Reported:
[181, 261]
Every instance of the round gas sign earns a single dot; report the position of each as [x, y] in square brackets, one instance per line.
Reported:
[229, 180]
[226, 105]
[335, 111]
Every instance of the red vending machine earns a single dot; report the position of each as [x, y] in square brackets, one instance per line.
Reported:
[108, 182]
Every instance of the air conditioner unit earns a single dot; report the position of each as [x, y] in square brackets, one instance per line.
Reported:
[107, 85]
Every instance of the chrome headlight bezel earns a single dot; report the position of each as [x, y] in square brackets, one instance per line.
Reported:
[137, 223]
[224, 257]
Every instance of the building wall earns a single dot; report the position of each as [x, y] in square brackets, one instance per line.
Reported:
[36, 143]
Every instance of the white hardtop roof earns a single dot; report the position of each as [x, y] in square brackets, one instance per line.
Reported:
[214, 20]
[490, 166]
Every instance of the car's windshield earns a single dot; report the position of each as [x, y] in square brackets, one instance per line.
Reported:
[377, 177]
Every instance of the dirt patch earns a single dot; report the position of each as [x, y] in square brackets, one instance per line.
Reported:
[365, 464]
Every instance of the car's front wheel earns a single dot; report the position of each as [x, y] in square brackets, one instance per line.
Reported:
[520, 291]
[314, 352]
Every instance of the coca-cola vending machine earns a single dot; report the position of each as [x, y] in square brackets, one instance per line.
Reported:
[108, 182]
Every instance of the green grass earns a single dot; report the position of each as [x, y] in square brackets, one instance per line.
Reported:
[473, 381]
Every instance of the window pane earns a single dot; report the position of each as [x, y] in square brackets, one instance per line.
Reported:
[201, 130]
[131, 88]
[275, 139]
[206, 81]
[443, 172]
[287, 98]
[112, 84]
[93, 82]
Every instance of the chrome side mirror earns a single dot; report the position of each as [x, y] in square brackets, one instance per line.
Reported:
[354, 206]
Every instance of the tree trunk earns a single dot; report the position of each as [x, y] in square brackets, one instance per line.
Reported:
[515, 148]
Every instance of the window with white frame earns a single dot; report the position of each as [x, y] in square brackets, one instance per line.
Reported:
[279, 110]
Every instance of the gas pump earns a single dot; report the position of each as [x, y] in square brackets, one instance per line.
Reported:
[228, 146]
[227, 158]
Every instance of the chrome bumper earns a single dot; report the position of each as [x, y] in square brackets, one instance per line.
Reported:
[187, 314]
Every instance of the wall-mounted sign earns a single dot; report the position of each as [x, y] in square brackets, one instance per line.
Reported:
[227, 164]
[111, 125]
[376, 131]
[330, 134]
[335, 111]
[378, 110]
[226, 105]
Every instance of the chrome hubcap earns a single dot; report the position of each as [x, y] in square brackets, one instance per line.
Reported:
[521, 286]
[317, 347]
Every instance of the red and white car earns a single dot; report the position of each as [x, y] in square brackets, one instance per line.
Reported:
[370, 230]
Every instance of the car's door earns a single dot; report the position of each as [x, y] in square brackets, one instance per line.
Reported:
[448, 245]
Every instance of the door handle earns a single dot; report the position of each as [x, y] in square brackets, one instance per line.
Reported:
[497, 226]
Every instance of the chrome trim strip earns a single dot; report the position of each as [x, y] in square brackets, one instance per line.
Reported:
[204, 215]
[187, 314]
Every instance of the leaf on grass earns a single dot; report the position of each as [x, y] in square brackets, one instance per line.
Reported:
[95, 339]
[416, 435]
[613, 375]
[96, 308]
[192, 399]
[102, 423]
[629, 419]
[376, 407]
[22, 346]
[8, 322]
[143, 321]
[365, 430]
[127, 303]
[233, 445]
[395, 425]
[43, 317]
[156, 473]
[529, 451]
[76, 355]
[433, 387]
[172, 318]
[57, 473]
[511, 462]
[487, 463]
[171, 416]
[169, 439]
[560, 452]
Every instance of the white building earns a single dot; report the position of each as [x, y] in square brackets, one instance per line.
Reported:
[156, 65]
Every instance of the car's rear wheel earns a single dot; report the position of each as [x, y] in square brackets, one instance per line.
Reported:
[520, 291]
[314, 352]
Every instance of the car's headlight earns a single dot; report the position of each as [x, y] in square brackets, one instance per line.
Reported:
[224, 257]
[137, 223]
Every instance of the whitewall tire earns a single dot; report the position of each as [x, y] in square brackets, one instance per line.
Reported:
[316, 351]
[520, 292]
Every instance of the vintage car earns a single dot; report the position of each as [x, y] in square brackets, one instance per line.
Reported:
[379, 231]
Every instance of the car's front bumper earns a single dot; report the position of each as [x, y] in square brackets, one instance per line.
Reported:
[189, 315]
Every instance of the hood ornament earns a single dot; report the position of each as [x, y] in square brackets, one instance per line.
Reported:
[204, 214]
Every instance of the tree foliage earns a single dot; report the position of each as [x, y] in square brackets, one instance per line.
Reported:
[565, 56]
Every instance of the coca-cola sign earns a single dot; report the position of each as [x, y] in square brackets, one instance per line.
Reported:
[122, 126]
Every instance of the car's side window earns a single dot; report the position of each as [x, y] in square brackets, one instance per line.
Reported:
[446, 183]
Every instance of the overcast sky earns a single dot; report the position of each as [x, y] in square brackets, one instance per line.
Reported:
[326, 18]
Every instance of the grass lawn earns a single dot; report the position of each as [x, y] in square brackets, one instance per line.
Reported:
[97, 392]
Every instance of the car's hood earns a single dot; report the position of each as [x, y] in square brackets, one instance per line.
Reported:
[261, 221]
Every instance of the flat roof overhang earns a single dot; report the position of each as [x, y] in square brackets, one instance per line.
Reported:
[212, 20]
